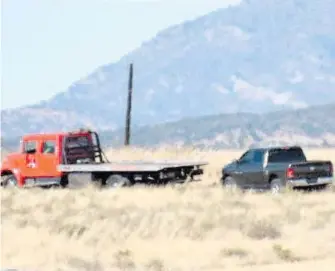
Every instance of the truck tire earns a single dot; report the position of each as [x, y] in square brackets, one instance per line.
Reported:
[229, 183]
[276, 186]
[115, 181]
[8, 181]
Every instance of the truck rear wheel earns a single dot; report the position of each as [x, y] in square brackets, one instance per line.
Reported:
[114, 181]
[276, 186]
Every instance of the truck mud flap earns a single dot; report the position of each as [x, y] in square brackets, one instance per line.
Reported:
[79, 180]
[196, 172]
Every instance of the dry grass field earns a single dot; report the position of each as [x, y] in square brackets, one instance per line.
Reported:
[197, 226]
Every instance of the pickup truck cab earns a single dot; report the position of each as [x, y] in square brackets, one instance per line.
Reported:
[277, 168]
[52, 159]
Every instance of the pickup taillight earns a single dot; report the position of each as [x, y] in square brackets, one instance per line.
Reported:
[290, 173]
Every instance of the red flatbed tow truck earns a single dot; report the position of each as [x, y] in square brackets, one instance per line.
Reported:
[46, 160]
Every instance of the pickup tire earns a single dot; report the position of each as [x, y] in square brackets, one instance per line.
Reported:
[229, 183]
[276, 186]
[115, 181]
[8, 181]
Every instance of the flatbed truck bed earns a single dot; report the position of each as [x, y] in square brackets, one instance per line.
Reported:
[128, 166]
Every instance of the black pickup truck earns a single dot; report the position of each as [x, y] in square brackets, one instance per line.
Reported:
[275, 169]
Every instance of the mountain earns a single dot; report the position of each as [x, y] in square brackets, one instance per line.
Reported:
[253, 57]
[310, 127]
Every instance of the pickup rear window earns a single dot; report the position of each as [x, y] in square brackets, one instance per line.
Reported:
[282, 155]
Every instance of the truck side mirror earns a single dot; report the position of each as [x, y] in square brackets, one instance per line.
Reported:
[31, 151]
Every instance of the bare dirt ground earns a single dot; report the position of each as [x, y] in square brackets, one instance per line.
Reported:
[194, 227]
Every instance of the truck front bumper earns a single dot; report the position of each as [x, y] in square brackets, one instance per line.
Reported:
[310, 183]
[42, 182]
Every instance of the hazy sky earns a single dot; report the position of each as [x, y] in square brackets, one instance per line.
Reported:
[49, 44]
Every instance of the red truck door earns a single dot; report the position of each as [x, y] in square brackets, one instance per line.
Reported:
[29, 168]
[48, 159]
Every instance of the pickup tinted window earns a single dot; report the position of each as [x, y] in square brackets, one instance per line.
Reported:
[286, 155]
[252, 156]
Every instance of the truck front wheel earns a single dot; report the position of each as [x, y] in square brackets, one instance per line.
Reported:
[8, 181]
[229, 183]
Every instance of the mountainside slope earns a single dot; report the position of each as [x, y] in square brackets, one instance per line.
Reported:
[310, 127]
[313, 126]
[253, 57]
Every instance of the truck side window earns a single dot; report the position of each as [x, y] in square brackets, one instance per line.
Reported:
[258, 156]
[286, 155]
[253, 156]
[49, 147]
[247, 157]
[29, 146]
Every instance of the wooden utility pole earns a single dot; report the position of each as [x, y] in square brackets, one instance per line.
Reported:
[129, 100]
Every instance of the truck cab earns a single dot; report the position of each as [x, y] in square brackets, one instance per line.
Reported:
[38, 156]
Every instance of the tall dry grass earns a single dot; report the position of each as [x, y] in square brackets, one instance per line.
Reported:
[194, 227]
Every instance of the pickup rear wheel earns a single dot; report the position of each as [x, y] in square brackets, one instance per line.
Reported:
[276, 186]
[114, 181]
[8, 181]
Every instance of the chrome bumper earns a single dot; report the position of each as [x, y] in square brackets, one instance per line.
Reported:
[305, 182]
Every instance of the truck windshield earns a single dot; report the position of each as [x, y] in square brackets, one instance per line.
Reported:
[78, 148]
[282, 155]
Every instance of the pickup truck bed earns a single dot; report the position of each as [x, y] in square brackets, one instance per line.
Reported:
[310, 173]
